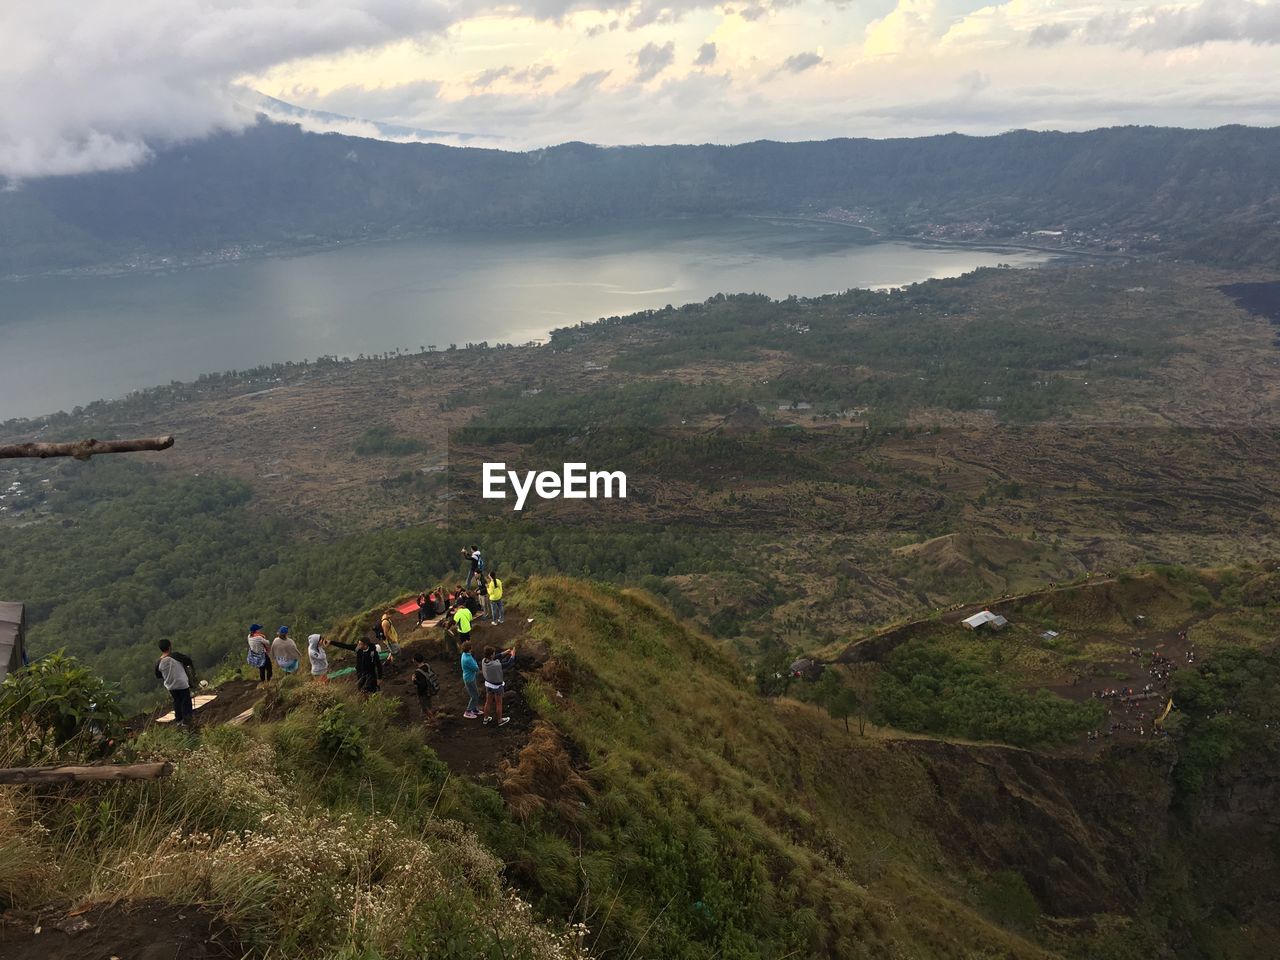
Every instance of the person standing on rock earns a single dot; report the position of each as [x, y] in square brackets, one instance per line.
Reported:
[259, 652]
[173, 670]
[469, 671]
[493, 688]
[285, 652]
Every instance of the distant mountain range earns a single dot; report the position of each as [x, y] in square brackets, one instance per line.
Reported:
[1212, 195]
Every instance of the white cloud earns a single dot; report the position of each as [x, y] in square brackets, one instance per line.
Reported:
[91, 86]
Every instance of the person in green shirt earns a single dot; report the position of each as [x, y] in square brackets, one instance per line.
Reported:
[462, 624]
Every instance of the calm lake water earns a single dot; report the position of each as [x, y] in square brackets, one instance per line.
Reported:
[65, 342]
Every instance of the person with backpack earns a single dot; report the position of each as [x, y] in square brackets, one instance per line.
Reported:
[386, 633]
[285, 652]
[426, 684]
[494, 687]
[178, 673]
[496, 614]
[476, 563]
[259, 652]
[319, 659]
[469, 670]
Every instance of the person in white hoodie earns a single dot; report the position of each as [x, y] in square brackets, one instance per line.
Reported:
[319, 658]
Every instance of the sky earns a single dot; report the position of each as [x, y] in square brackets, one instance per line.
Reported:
[90, 85]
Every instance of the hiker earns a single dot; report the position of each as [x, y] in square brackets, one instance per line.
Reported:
[469, 670]
[476, 563]
[493, 688]
[495, 599]
[285, 652]
[482, 599]
[425, 682]
[462, 620]
[368, 665]
[439, 605]
[390, 636]
[319, 659]
[177, 672]
[423, 605]
[259, 652]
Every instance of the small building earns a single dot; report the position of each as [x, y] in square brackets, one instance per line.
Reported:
[992, 621]
[13, 630]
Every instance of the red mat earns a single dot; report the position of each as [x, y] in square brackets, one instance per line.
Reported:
[409, 606]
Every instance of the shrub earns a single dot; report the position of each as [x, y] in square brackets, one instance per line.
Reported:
[338, 737]
[57, 709]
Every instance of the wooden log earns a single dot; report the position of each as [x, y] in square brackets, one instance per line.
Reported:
[83, 449]
[126, 771]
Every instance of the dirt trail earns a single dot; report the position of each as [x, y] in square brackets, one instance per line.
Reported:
[469, 747]
[149, 930]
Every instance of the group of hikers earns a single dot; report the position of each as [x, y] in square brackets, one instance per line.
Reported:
[1127, 712]
[458, 610]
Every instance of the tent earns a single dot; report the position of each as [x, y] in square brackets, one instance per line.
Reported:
[987, 619]
[13, 629]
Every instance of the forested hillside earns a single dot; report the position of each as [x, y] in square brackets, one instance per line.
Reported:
[1185, 192]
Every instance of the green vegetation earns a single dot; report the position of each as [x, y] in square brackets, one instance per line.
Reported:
[382, 441]
[925, 687]
[130, 554]
[1228, 713]
[303, 857]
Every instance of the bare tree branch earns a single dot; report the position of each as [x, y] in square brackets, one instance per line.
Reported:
[83, 449]
[133, 771]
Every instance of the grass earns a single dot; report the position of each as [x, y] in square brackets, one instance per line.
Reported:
[306, 851]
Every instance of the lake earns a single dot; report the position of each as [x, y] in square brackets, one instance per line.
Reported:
[66, 342]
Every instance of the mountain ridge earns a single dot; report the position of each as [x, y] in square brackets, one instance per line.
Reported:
[1211, 195]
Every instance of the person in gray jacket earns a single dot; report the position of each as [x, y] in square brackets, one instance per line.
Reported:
[494, 687]
[173, 671]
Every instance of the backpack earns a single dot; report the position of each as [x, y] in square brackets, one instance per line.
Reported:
[480, 563]
[429, 677]
[378, 633]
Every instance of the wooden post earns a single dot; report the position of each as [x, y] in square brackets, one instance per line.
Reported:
[83, 449]
[128, 771]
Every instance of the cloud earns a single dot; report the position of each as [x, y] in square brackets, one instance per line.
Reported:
[90, 86]
[1171, 27]
[531, 76]
[800, 62]
[909, 25]
[1050, 34]
[487, 78]
[395, 103]
[652, 59]
[706, 55]
[1168, 28]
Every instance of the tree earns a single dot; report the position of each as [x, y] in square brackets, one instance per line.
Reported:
[862, 690]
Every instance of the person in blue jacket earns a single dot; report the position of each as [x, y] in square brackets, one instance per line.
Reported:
[469, 671]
